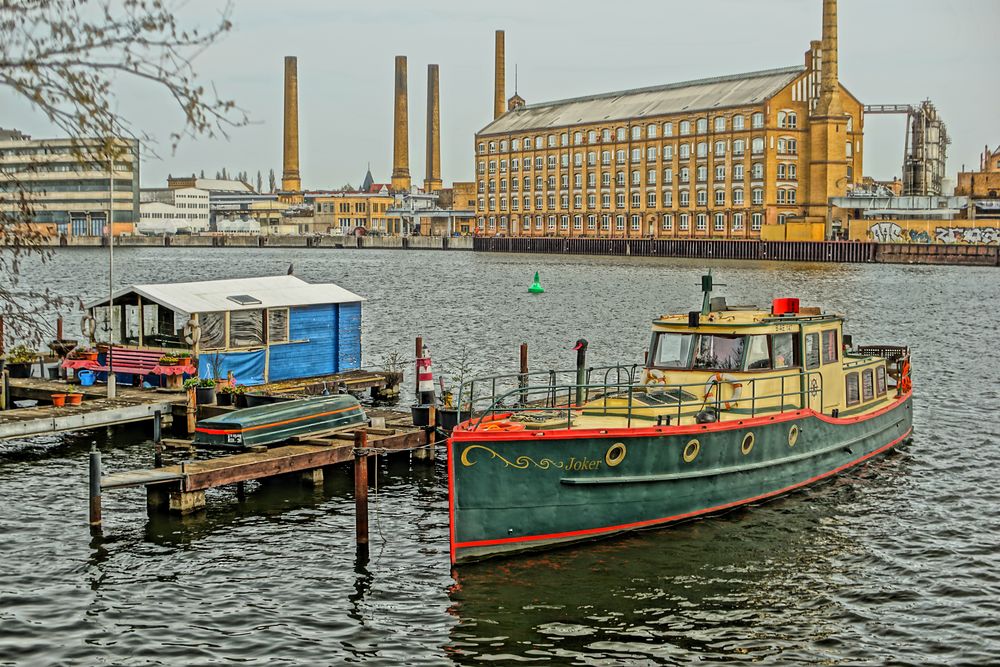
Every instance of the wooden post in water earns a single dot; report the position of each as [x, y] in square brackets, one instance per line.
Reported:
[192, 410]
[361, 487]
[5, 391]
[419, 355]
[157, 439]
[522, 380]
[95, 487]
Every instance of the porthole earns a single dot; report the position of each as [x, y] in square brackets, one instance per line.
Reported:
[793, 435]
[615, 455]
[747, 445]
[691, 450]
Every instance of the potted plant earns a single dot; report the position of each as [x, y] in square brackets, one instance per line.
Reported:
[224, 396]
[73, 397]
[58, 400]
[85, 352]
[19, 361]
[205, 390]
[448, 415]
[168, 360]
[240, 396]
[183, 357]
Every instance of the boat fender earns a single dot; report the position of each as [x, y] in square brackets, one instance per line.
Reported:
[905, 383]
[717, 380]
[707, 416]
[88, 325]
[192, 332]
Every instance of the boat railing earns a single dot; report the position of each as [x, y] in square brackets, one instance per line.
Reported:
[483, 390]
[553, 400]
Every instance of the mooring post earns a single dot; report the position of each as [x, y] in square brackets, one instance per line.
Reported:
[522, 379]
[157, 439]
[192, 410]
[5, 390]
[581, 370]
[95, 487]
[419, 355]
[361, 487]
[426, 453]
[59, 328]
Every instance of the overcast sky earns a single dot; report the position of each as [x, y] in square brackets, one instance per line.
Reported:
[891, 51]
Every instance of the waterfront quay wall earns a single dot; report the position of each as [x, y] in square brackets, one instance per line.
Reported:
[273, 241]
[792, 251]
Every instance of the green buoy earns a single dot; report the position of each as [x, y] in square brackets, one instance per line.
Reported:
[536, 287]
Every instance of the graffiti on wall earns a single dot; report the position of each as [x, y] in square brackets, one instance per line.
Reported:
[891, 232]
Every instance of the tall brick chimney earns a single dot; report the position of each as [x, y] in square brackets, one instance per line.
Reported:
[829, 103]
[291, 181]
[499, 73]
[400, 131]
[432, 175]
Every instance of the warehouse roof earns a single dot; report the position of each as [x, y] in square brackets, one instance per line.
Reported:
[699, 95]
[238, 294]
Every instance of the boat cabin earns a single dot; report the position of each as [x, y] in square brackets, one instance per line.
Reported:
[261, 330]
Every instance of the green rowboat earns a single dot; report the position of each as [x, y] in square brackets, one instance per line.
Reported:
[271, 424]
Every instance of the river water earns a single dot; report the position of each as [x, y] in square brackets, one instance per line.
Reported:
[895, 562]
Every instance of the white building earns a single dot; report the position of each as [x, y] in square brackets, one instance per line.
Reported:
[169, 211]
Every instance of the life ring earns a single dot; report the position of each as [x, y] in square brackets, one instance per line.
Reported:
[654, 376]
[88, 325]
[717, 380]
[905, 383]
[192, 332]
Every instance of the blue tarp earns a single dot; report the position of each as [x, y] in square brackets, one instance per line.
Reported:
[247, 367]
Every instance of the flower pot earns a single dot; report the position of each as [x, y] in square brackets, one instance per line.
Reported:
[421, 415]
[205, 395]
[58, 400]
[89, 356]
[74, 399]
[240, 400]
[19, 369]
[449, 418]
[223, 398]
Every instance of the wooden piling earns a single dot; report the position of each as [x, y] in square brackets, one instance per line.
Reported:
[95, 487]
[361, 486]
[192, 410]
[419, 355]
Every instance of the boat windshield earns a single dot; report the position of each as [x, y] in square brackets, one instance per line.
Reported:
[702, 351]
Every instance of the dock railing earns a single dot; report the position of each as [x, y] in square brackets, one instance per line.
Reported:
[554, 398]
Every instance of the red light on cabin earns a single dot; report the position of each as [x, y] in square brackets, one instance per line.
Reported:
[785, 306]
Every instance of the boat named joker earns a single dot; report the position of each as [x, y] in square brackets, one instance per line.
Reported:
[734, 405]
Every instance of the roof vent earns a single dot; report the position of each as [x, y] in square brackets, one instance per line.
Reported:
[244, 299]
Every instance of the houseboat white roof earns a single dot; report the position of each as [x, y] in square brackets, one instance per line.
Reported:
[238, 294]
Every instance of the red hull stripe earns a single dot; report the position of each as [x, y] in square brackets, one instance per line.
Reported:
[676, 517]
[225, 431]
[562, 434]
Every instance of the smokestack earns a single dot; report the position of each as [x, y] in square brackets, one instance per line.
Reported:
[401, 131]
[829, 91]
[432, 177]
[499, 69]
[290, 178]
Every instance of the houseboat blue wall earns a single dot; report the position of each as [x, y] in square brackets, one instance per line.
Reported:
[349, 336]
[247, 367]
[317, 326]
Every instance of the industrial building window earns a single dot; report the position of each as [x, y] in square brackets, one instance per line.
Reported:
[538, 222]
[757, 171]
[514, 203]
[702, 222]
[720, 148]
[757, 120]
[503, 146]
[782, 172]
[591, 137]
[592, 222]
[702, 172]
[620, 178]
[685, 221]
[867, 386]
[720, 222]
[539, 202]
[849, 147]
[591, 180]
[650, 177]
[668, 197]
[564, 181]
[756, 220]
[636, 177]
[668, 222]
[720, 197]
[685, 127]
[552, 141]
[606, 178]
[791, 196]
[577, 222]
[720, 173]
[527, 202]
[482, 147]
[668, 175]
[830, 348]
[577, 201]
[636, 155]
[515, 144]
[702, 149]
[564, 159]
[720, 124]
[620, 157]
[527, 223]
[620, 200]
[482, 167]
[620, 222]
[684, 152]
[605, 135]
[577, 138]
[685, 175]
[739, 147]
[781, 196]
[636, 200]
[702, 125]
[493, 147]
[738, 122]
[636, 223]
[880, 380]
[738, 197]
[702, 198]
[757, 145]
[651, 154]
[668, 152]
[757, 196]
[605, 201]
[591, 158]
[552, 222]
[503, 222]
[526, 163]
[651, 131]
[668, 129]
[737, 222]
[564, 222]
[685, 198]
[578, 180]
[552, 182]
[246, 328]
[620, 134]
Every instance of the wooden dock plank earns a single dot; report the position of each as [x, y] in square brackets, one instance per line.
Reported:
[122, 480]
[90, 414]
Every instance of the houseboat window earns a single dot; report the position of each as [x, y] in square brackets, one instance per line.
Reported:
[867, 387]
[724, 353]
[277, 325]
[246, 328]
[812, 350]
[673, 350]
[830, 354]
[880, 380]
[213, 330]
[782, 350]
[758, 355]
[851, 385]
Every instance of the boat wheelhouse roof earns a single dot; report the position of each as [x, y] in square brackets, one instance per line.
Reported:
[237, 294]
[744, 318]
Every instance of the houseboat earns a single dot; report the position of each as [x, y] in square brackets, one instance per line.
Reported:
[733, 405]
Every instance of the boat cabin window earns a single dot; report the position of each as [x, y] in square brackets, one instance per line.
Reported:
[880, 380]
[867, 386]
[246, 328]
[213, 330]
[851, 386]
[673, 350]
[758, 354]
[783, 350]
[722, 353]
[277, 325]
[812, 350]
[830, 349]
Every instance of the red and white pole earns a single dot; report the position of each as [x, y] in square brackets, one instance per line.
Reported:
[425, 378]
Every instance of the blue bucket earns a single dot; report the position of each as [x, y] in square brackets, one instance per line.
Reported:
[86, 378]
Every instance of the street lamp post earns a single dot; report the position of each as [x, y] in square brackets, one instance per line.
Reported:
[112, 380]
